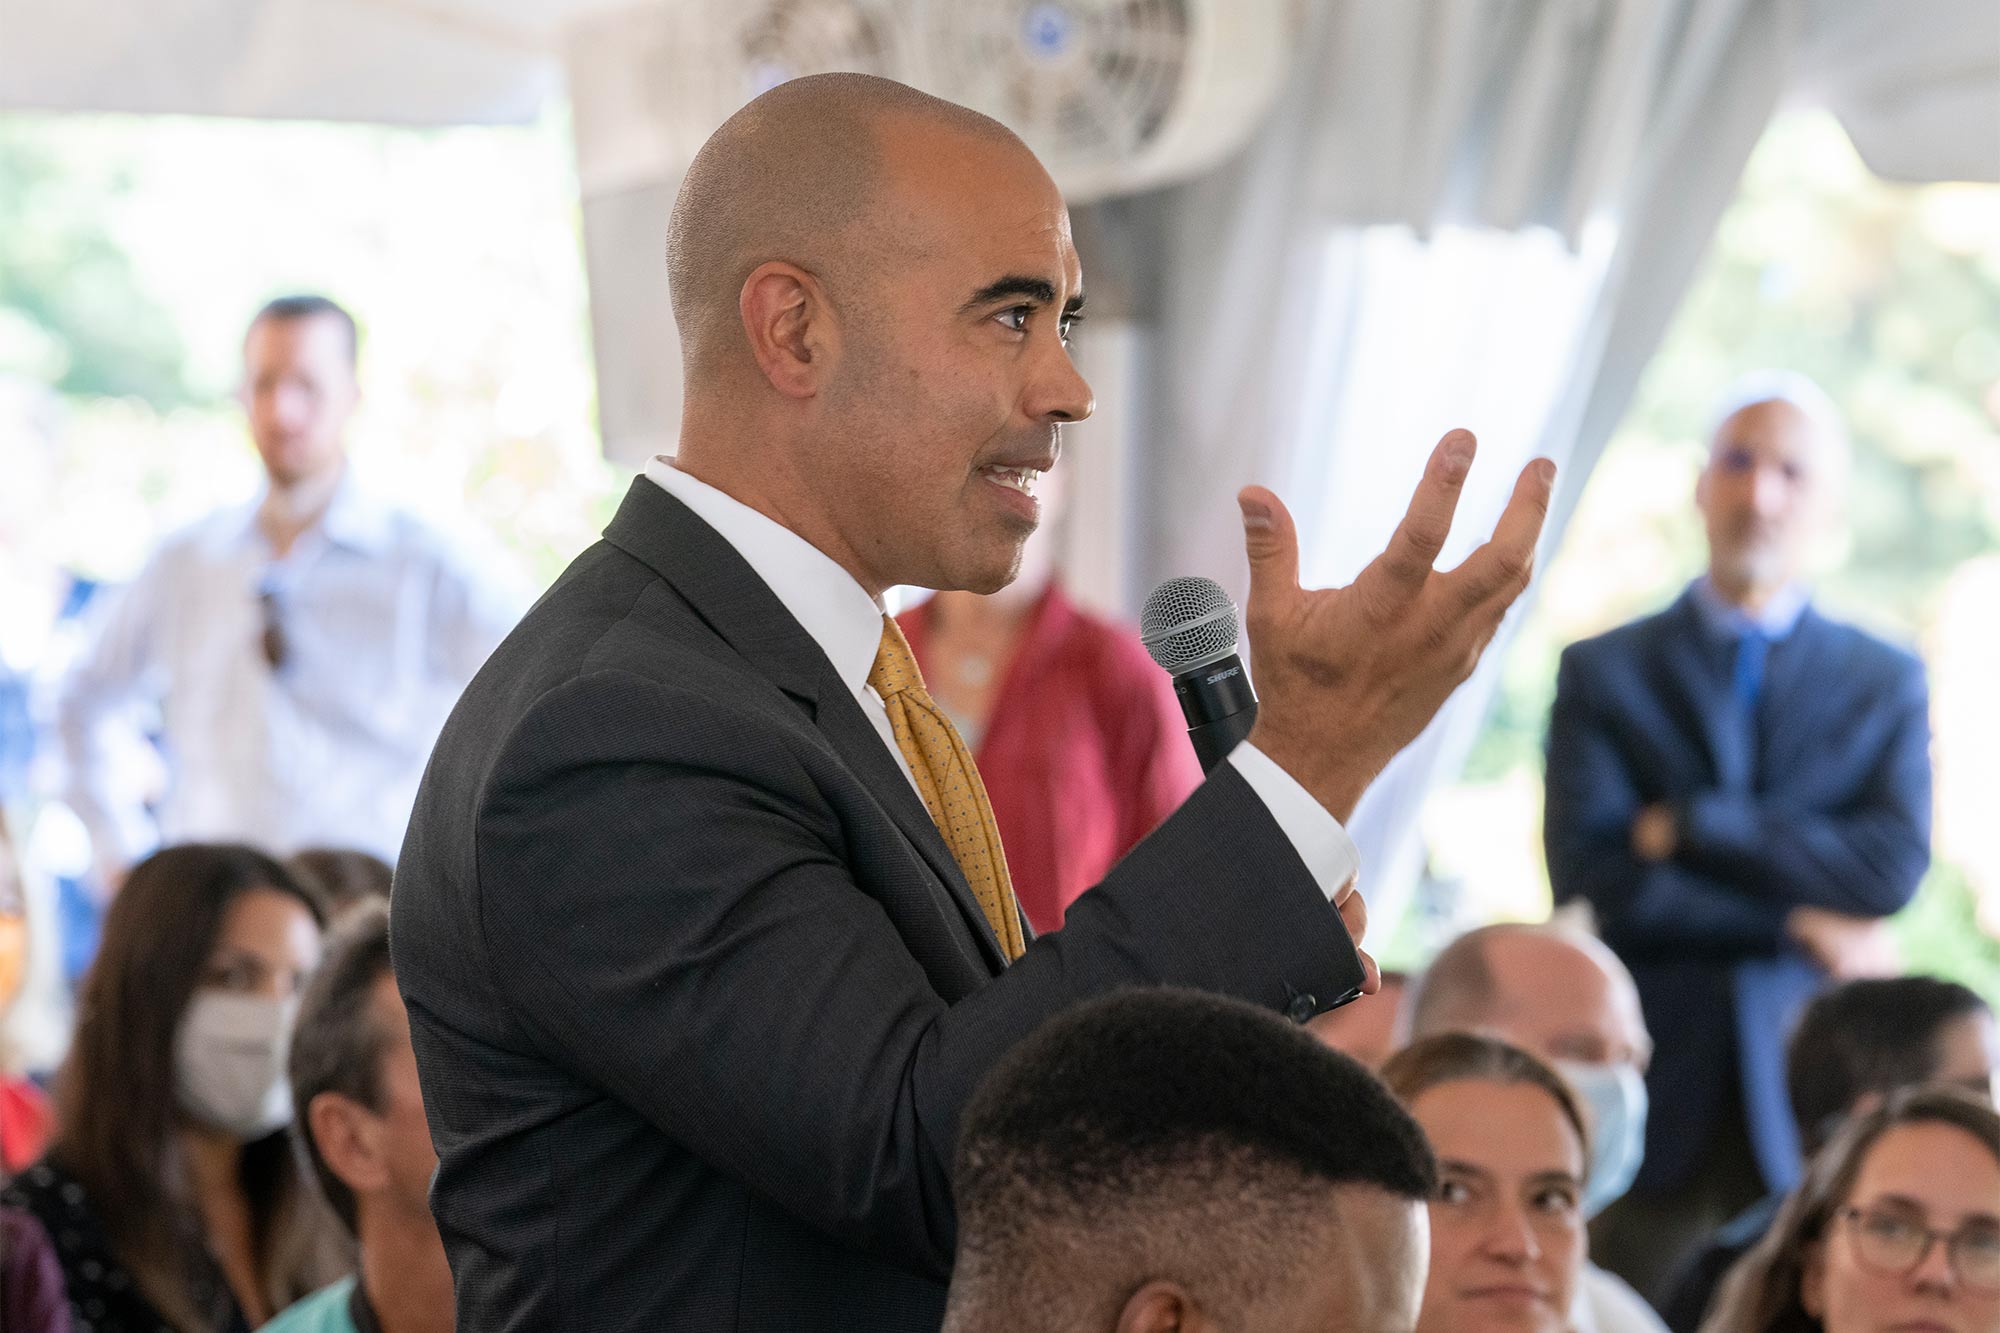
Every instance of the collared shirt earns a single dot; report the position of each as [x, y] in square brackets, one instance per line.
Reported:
[1728, 621]
[382, 623]
[846, 623]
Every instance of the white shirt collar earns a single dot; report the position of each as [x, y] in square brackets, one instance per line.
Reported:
[354, 518]
[835, 610]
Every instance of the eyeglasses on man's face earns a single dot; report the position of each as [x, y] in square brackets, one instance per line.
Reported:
[1894, 1243]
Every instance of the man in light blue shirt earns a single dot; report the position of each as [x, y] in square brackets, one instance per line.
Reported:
[302, 650]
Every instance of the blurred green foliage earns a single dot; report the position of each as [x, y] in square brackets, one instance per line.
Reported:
[73, 313]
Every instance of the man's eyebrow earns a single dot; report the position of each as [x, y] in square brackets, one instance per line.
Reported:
[1014, 284]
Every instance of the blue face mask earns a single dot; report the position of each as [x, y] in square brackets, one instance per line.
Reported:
[1616, 1098]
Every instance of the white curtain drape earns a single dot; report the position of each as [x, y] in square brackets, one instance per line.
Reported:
[1463, 212]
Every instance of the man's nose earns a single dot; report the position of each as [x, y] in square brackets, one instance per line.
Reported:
[1770, 491]
[1058, 391]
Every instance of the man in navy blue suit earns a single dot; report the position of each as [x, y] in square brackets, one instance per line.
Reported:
[1741, 789]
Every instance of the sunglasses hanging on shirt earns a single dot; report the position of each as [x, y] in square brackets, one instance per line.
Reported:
[272, 639]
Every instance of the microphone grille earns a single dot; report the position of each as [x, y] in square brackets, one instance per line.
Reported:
[1188, 623]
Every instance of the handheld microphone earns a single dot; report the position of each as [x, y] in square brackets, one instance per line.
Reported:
[1189, 628]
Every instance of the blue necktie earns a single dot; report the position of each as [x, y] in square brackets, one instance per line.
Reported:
[1751, 650]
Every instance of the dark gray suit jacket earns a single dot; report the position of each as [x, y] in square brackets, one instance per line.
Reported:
[696, 989]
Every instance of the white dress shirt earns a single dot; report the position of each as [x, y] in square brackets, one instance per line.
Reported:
[846, 623]
[383, 623]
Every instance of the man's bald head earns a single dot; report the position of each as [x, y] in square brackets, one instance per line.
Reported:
[806, 174]
[1557, 992]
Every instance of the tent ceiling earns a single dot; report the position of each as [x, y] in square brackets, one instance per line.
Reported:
[1917, 82]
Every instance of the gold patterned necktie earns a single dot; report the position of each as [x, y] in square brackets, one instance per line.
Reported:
[949, 784]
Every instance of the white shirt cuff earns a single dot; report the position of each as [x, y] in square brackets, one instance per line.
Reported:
[1318, 837]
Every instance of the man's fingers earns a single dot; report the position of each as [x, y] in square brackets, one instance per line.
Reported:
[1271, 540]
[1353, 912]
[1414, 546]
[1503, 564]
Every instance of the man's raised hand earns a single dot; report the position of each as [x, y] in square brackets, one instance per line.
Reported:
[1346, 677]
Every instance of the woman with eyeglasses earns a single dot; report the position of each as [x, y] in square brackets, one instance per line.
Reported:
[1896, 1229]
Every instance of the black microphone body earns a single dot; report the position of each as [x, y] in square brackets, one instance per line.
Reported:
[1220, 707]
[1189, 628]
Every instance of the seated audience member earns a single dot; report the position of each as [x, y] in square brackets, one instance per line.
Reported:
[24, 1112]
[173, 1194]
[1854, 1046]
[1895, 1227]
[361, 1119]
[342, 877]
[1161, 1159]
[1507, 1234]
[31, 1285]
[1562, 995]
[1366, 1029]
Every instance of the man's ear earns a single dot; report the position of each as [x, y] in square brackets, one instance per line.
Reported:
[1161, 1306]
[790, 327]
[349, 1138]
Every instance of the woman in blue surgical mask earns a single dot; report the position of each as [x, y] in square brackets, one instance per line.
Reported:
[171, 1188]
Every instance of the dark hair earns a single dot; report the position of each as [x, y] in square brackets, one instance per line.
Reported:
[337, 1046]
[308, 305]
[1454, 1057]
[1146, 1127]
[1762, 1292]
[342, 877]
[117, 1110]
[1871, 1036]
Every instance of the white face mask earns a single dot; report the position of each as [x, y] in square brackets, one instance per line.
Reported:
[229, 1062]
[1616, 1098]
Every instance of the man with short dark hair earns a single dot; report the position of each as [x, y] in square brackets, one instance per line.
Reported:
[1167, 1160]
[302, 650]
[1854, 1045]
[361, 1119]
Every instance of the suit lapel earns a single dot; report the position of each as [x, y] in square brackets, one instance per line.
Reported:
[654, 527]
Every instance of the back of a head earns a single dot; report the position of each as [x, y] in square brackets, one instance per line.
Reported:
[1867, 1037]
[337, 1046]
[1163, 1133]
[796, 175]
[343, 877]
[1463, 989]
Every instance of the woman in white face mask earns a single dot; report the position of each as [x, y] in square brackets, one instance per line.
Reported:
[171, 1188]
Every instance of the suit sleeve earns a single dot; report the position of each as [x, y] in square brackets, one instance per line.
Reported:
[1591, 800]
[673, 911]
[1865, 858]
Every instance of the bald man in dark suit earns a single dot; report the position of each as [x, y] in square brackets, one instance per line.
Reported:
[702, 926]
